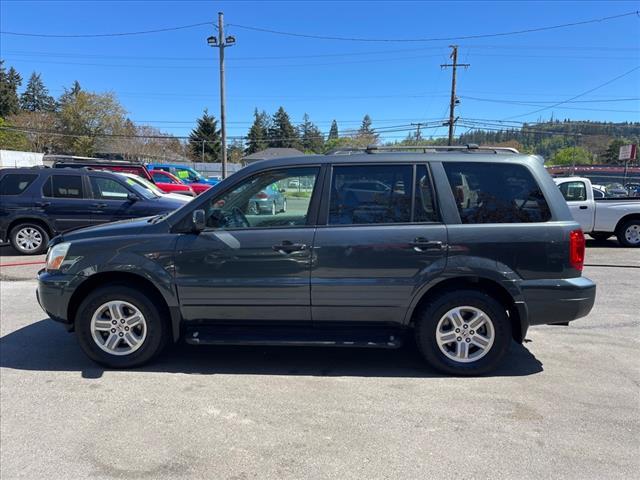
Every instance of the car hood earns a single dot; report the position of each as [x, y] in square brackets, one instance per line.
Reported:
[122, 227]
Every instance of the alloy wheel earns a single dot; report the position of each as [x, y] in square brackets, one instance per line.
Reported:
[632, 234]
[118, 327]
[29, 239]
[465, 334]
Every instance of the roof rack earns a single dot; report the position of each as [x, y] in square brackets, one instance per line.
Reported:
[96, 161]
[472, 147]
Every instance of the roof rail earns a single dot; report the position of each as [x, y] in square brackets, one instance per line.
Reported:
[60, 159]
[472, 147]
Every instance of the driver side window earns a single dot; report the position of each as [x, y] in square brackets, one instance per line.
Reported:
[276, 198]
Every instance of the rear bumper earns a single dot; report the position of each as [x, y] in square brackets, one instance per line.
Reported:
[557, 301]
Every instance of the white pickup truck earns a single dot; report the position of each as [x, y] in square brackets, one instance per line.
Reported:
[601, 217]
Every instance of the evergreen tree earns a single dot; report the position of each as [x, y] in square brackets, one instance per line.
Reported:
[366, 134]
[365, 127]
[333, 132]
[69, 94]
[311, 136]
[36, 97]
[257, 138]
[207, 131]
[9, 83]
[281, 132]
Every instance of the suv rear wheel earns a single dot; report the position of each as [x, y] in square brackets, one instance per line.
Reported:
[464, 332]
[29, 238]
[120, 327]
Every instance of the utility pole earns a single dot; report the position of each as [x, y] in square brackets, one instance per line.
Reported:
[454, 100]
[221, 43]
[418, 132]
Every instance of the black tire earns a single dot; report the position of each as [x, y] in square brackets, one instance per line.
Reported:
[600, 236]
[157, 335]
[427, 322]
[621, 233]
[20, 245]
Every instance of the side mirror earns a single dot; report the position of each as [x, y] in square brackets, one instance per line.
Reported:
[198, 220]
[132, 197]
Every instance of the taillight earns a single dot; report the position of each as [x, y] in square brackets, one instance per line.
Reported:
[262, 195]
[576, 249]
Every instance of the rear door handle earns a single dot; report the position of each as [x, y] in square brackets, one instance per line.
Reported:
[421, 244]
[288, 247]
[43, 204]
[99, 205]
[583, 207]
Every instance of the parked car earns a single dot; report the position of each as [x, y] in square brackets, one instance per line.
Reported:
[38, 204]
[170, 184]
[616, 190]
[270, 200]
[602, 217]
[153, 188]
[119, 166]
[463, 278]
[184, 173]
[633, 189]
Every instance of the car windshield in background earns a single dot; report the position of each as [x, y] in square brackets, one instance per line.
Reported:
[140, 190]
[146, 184]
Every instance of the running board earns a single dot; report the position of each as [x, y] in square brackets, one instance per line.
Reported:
[292, 336]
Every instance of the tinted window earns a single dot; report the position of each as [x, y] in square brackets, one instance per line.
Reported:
[496, 193]
[63, 186]
[16, 183]
[574, 191]
[276, 198]
[597, 193]
[108, 189]
[371, 194]
[424, 205]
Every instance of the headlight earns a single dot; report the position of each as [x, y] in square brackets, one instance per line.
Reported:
[56, 255]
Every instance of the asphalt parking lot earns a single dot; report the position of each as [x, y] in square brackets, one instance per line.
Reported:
[565, 405]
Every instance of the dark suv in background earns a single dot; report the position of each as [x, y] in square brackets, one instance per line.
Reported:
[464, 250]
[37, 204]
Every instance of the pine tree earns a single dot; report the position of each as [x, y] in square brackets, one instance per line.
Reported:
[36, 97]
[257, 138]
[311, 136]
[9, 83]
[333, 132]
[69, 94]
[207, 131]
[282, 133]
[366, 135]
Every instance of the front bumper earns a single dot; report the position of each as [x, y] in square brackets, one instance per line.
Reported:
[557, 301]
[53, 293]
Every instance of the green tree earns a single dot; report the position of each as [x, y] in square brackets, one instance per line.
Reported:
[613, 150]
[11, 139]
[87, 119]
[36, 97]
[69, 94]
[333, 131]
[571, 156]
[207, 131]
[282, 133]
[235, 151]
[366, 134]
[9, 83]
[310, 135]
[257, 138]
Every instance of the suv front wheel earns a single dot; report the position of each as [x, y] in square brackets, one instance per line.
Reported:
[464, 332]
[120, 327]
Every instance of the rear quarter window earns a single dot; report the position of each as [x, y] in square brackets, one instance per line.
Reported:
[496, 193]
[16, 183]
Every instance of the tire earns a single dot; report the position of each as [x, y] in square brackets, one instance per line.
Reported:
[600, 236]
[284, 206]
[153, 331]
[629, 233]
[434, 315]
[29, 238]
[274, 210]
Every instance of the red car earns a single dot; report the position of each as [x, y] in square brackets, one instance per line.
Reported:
[170, 183]
[171, 179]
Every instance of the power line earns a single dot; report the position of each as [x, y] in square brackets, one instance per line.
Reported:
[608, 100]
[438, 39]
[576, 96]
[96, 35]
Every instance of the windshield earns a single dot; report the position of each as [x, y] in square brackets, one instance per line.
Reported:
[148, 185]
[141, 190]
[189, 175]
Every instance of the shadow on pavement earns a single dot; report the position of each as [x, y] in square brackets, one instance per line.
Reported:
[45, 346]
[610, 243]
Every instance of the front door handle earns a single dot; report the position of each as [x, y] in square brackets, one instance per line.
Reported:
[421, 244]
[99, 205]
[583, 207]
[43, 204]
[288, 247]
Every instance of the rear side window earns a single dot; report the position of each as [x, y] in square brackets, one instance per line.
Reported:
[424, 206]
[574, 191]
[16, 183]
[371, 194]
[108, 189]
[496, 193]
[160, 178]
[63, 186]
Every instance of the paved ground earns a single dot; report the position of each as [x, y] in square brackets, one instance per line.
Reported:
[566, 405]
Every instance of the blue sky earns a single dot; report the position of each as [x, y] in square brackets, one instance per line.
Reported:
[167, 79]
